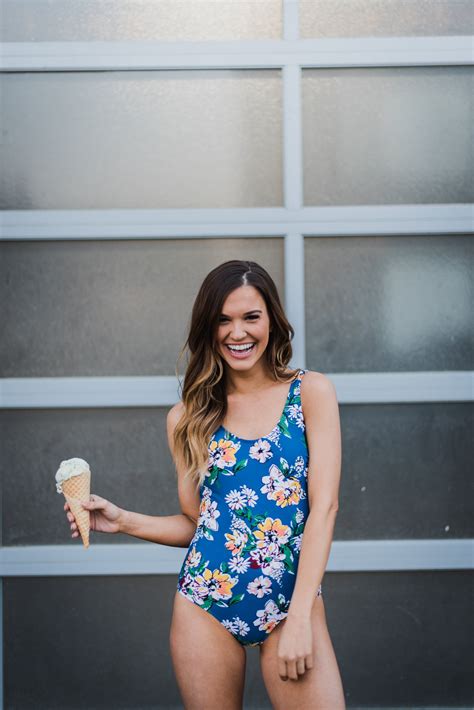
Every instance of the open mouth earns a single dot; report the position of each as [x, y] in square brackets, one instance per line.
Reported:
[241, 351]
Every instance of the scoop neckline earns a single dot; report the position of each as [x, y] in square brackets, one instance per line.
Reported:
[267, 436]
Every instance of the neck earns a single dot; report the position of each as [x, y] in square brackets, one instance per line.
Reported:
[252, 380]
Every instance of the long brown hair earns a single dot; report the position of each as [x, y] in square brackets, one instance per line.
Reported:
[204, 388]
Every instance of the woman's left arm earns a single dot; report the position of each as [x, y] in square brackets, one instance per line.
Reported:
[323, 433]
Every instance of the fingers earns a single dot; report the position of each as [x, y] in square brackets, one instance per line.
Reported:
[292, 670]
[282, 669]
[95, 503]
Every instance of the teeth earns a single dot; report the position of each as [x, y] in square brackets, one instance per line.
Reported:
[240, 347]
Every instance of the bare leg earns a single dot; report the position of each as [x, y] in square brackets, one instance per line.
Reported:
[320, 688]
[209, 663]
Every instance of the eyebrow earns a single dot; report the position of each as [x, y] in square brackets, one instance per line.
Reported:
[256, 310]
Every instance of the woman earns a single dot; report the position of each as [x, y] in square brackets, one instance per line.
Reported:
[259, 498]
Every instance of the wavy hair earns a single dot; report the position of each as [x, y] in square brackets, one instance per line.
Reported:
[205, 383]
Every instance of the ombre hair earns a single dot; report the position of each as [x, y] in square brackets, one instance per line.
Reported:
[204, 388]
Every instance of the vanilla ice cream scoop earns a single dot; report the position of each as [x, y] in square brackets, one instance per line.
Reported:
[68, 469]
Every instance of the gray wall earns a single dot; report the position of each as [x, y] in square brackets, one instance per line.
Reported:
[373, 303]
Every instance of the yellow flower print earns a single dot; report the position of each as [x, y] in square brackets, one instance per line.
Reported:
[194, 557]
[222, 453]
[289, 494]
[235, 543]
[216, 584]
[272, 530]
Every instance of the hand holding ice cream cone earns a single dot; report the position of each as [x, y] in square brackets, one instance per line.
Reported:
[73, 479]
[104, 515]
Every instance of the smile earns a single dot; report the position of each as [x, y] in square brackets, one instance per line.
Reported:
[241, 350]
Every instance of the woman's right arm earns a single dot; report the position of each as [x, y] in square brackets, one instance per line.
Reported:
[173, 530]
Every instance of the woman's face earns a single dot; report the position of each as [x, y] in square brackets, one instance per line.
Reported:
[244, 328]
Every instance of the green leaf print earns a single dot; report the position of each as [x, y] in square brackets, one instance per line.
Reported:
[224, 566]
[283, 426]
[236, 599]
[214, 472]
[221, 603]
[288, 561]
[240, 465]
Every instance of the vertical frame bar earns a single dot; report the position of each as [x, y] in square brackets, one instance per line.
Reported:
[293, 188]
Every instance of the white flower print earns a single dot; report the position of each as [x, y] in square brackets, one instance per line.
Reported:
[272, 482]
[229, 625]
[239, 564]
[240, 626]
[296, 542]
[268, 617]
[250, 494]
[239, 524]
[299, 516]
[235, 500]
[261, 451]
[260, 586]
[209, 514]
[274, 437]
[295, 413]
[236, 540]
[299, 464]
[270, 561]
[194, 558]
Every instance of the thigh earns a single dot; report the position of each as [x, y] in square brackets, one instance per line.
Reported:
[209, 663]
[319, 688]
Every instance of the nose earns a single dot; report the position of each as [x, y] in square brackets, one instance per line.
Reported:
[238, 331]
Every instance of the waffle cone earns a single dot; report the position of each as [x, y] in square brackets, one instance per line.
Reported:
[75, 489]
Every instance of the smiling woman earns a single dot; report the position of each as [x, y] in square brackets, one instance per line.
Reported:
[265, 517]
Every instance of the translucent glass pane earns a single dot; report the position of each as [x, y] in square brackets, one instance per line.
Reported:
[385, 18]
[128, 664]
[388, 135]
[59, 20]
[376, 304]
[408, 452]
[126, 302]
[146, 139]
[406, 471]
[89, 642]
[129, 458]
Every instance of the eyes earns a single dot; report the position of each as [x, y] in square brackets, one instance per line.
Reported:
[251, 317]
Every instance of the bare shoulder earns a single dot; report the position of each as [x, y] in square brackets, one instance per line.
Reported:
[174, 414]
[172, 418]
[318, 395]
[316, 384]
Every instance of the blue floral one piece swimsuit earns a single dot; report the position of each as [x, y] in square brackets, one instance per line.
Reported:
[242, 561]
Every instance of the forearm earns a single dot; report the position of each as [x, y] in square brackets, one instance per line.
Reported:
[314, 554]
[173, 530]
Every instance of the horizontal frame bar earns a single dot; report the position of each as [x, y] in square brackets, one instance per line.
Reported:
[162, 391]
[253, 54]
[244, 222]
[150, 558]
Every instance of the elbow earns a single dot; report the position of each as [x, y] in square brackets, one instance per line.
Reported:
[327, 510]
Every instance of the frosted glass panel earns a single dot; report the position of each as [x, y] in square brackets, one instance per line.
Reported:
[126, 302]
[144, 139]
[385, 18]
[388, 135]
[411, 657]
[127, 450]
[389, 303]
[391, 452]
[55, 20]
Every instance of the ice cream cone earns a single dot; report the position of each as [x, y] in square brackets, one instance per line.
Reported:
[75, 489]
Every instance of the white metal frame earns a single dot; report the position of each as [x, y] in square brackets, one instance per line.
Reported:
[293, 222]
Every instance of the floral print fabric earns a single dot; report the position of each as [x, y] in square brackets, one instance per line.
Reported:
[242, 561]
